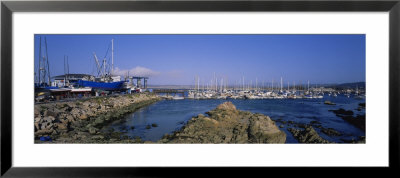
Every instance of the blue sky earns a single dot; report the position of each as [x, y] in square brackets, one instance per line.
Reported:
[177, 59]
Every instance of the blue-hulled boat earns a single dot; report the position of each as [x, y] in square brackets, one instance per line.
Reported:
[101, 85]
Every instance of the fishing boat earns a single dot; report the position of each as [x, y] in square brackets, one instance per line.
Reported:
[102, 85]
[105, 80]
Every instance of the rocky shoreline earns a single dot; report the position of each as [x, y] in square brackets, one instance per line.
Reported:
[347, 115]
[86, 121]
[226, 124]
[81, 121]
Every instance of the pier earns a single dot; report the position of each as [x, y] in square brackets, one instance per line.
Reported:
[169, 92]
[139, 81]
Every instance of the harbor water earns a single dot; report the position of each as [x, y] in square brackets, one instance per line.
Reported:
[170, 115]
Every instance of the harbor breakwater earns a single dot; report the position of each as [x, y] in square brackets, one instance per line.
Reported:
[81, 121]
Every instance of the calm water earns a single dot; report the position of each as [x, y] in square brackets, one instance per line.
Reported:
[170, 115]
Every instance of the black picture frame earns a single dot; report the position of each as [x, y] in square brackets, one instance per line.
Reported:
[8, 7]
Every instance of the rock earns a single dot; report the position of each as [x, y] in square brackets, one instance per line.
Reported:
[98, 121]
[264, 130]
[308, 135]
[226, 106]
[329, 103]
[38, 119]
[154, 125]
[61, 105]
[52, 113]
[93, 130]
[44, 112]
[45, 125]
[361, 139]
[70, 118]
[97, 137]
[75, 112]
[61, 126]
[315, 122]
[48, 119]
[54, 132]
[341, 111]
[86, 103]
[64, 121]
[281, 126]
[37, 126]
[71, 104]
[83, 117]
[300, 125]
[318, 126]
[226, 124]
[330, 132]
[36, 112]
[358, 121]
[43, 132]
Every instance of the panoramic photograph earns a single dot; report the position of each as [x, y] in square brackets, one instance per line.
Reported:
[199, 88]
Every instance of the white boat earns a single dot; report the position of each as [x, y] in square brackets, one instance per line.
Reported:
[178, 98]
[86, 89]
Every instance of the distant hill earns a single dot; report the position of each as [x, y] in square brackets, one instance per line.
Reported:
[360, 85]
[353, 85]
[171, 86]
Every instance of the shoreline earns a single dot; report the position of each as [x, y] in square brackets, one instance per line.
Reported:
[80, 121]
[224, 124]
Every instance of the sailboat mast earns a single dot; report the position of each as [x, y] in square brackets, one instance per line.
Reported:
[40, 58]
[222, 84]
[47, 60]
[294, 86]
[104, 67]
[272, 85]
[112, 57]
[256, 83]
[68, 69]
[65, 71]
[243, 81]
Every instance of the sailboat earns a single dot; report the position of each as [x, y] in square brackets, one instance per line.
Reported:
[358, 96]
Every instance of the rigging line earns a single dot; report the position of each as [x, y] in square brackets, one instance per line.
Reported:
[65, 71]
[93, 65]
[40, 57]
[108, 49]
[67, 65]
[47, 59]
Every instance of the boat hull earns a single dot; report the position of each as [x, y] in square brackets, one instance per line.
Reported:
[102, 85]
